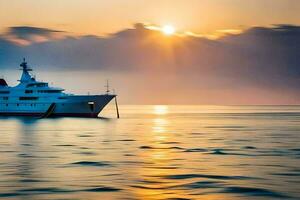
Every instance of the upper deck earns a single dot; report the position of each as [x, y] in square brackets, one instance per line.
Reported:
[28, 87]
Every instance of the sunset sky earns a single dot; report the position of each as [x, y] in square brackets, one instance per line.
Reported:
[101, 17]
[216, 52]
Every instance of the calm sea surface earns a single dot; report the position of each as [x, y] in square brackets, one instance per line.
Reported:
[154, 152]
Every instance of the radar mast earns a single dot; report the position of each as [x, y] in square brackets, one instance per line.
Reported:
[26, 77]
[24, 66]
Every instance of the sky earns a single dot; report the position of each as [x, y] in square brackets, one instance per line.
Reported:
[221, 51]
[99, 17]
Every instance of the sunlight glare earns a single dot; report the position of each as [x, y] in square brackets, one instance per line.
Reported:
[160, 110]
[168, 30]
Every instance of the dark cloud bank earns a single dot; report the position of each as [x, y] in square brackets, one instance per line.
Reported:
[260, 64]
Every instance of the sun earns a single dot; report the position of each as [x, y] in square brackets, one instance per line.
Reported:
[168, 30]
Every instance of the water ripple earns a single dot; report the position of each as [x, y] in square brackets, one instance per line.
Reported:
[254, 192]
[102, 189]
[91, 163]
[201, 184]
[196, 150]
[55, 190]
[219, 177]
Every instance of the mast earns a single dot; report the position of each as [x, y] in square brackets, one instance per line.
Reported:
[24, 66]
[25, 75]
[107, 87]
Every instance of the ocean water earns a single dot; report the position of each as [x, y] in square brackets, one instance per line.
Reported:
[154, 152]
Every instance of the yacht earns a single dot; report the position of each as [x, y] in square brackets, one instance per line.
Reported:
[36, 98]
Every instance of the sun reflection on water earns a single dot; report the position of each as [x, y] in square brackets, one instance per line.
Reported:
[159, 125]
[160, 109]
[159, 160]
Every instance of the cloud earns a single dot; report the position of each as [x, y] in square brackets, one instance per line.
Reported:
[258, 65]
[26, 35]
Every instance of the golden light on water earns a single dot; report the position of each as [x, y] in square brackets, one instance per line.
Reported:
[156, 156]
[160, 110]
[159, 125]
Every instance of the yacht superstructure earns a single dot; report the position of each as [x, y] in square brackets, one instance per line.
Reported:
[36, 98]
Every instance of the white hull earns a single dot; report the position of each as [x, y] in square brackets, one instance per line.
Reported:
[74, 106]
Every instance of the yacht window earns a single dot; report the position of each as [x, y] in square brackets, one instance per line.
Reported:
[49, 91]
[5, 98]
[28, 98]
[4, 92]
[28, 91]
[37, 85]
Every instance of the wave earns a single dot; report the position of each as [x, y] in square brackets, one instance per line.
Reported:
[91, 163]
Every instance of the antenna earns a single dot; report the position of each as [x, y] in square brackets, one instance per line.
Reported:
[107, 87]
[24, 65]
